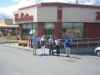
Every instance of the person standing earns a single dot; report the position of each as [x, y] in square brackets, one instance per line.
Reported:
[67, 46]
[42, 43]
[34, 44]
[17, 36]
[57, 43]
[51, 43]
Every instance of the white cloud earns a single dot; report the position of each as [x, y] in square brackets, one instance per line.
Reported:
[90, 2]
[21, 3]
[16, 0]
[53, 0]
[10, 9]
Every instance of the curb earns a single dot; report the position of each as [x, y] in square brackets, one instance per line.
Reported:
[19, 48]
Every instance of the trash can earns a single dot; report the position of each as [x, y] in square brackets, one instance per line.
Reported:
[27, 42]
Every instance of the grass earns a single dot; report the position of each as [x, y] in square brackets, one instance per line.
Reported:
[11, 37]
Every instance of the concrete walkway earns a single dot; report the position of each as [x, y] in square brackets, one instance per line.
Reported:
[15, 45]
[62, 50]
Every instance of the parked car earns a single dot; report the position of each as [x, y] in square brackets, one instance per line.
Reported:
[97, 51]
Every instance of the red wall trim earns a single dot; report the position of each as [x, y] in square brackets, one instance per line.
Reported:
[58, 30]
[59, 14]
[32, 6]
[20, 31]
[40, 29]
[91, 30]
[60, 5]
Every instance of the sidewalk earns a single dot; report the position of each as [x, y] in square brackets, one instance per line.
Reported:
[15, 45]
[62, 50]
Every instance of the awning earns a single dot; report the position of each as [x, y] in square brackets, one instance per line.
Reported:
[2, 25]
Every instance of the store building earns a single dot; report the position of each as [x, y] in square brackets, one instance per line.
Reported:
[58, 19]
[7, 26]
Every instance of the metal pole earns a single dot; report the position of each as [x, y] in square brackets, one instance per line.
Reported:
[9, 40]
[77, 43]
[88, 43]
[98, 42]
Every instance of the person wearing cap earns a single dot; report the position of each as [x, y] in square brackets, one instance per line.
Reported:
[67, 46]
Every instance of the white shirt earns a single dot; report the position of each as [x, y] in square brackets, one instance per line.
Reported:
[57, 42]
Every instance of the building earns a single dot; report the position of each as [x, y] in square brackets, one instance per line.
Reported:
[58, 19]
[7, 26]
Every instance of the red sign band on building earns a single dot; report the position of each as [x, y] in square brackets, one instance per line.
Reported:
[23, 17]
[98, 16]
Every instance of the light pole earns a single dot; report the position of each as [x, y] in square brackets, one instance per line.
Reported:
[76, 1]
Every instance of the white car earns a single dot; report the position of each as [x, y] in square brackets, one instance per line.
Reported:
[97, 51]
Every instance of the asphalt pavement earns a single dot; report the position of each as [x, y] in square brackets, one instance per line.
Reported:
[18, 61]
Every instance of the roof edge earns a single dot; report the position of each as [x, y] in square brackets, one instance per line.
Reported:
[60, 4]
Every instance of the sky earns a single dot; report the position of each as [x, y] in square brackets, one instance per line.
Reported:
[7, 7]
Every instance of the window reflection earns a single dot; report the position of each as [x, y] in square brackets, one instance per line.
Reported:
[48, 29]
[73, 30]
[29, 30]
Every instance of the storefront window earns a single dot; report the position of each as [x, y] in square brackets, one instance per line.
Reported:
[48, 29]
[73, 30]
[29, 30]
[3, 31]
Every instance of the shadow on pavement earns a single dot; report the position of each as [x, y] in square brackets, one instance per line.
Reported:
[84, 54]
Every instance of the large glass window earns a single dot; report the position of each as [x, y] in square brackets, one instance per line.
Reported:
[48, 29]
[29, 30]
[73, 30]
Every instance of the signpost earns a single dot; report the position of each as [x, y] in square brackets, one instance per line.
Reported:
[8, 35]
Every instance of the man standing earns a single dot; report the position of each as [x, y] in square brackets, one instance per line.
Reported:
[34, 44]
[67, 46]
[57, 43]
[51, 41]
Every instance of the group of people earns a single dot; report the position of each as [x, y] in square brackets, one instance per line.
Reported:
[52, 42]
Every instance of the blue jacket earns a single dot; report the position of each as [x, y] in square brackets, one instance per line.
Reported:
[67, 43]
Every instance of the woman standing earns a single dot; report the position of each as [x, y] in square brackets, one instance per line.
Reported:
[42, 43]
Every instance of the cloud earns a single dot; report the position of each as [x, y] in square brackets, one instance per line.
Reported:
[88, 2]
[8, 11]
[15, 0]
[53, 0]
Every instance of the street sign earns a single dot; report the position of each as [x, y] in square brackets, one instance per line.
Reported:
[8, 35]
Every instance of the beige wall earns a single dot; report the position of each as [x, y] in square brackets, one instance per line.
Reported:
[73, 14]
[47, 14]
[40, 14]
[2, 21]
[69, 14]
[7, 21]
[30, 11]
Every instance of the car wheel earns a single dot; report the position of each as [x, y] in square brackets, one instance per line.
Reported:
[98, 53]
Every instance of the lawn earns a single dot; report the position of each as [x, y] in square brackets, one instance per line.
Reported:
[11, 37]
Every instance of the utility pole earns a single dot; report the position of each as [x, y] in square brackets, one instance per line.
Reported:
[76, 1]
[4, 15]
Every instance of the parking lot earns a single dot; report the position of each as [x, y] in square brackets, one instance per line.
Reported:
[14, 61]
